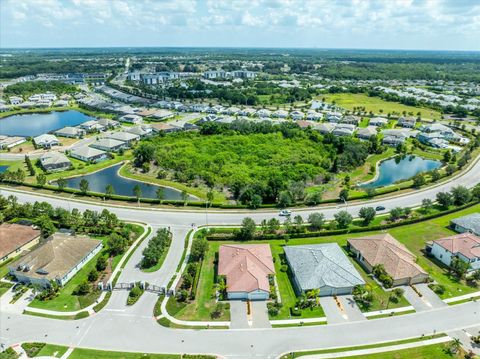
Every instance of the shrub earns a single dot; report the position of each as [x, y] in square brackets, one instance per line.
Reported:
[32, 349]
[93, 275]
[295, 312]
[101, 264]
[134, 294]
[82, 289]
[284, 268]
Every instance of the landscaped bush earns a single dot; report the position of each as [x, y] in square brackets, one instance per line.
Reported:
[32, 349]
[135, 294]
[437, 288]
[82, 289]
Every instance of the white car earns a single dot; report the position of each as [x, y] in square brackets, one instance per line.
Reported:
[285, 213]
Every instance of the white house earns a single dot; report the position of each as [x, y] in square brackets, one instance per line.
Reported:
[464, 246]
[130, 118]
[88, 154]
[46, 141]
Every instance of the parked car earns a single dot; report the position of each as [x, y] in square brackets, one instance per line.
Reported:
[379, 208]
[285, 213]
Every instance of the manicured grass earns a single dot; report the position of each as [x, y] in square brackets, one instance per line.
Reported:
[4, 287]
[375, 104]
[472, 299]
[53, 350]
[66, 301]
[369, 346]
[79, 315]
[396, 314]
[80, 353]
[435, 351]
[204, 303]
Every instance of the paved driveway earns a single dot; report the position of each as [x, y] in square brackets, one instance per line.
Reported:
[333, 313]
[259, 314]
[417, 302]
[429, 296]
[238, 314]
[351, 308]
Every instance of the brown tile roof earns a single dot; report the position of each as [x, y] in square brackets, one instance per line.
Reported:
[147, 112]
[246, 266]
[467, 244]
[397, 260]
[56, 257]
[14, 236]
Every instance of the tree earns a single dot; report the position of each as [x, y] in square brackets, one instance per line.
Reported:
[46, 225]
[459, 267]
[184, 196]
[445, 199]
[210, 196]
[343, 219]
[199, 248]
[447, 156]
[109, 190]
[461, 195]
[313, 198]
[427, 205]
[145, 152]
[435, 175]
[419, 180]
[41, 179]
[455, 345]
[101, 264]
[247, 231]
[316, 220]
[344, 194]
[117, 244]
[284, 199]
[137, 191]
[61, 183]
[160, 193]
[396, 213]
[84, 186]
[93, 275]
[273, 225]
[367, 214]
[82, 289]
[476, 192]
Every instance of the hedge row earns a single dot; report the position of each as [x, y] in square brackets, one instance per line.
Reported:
[335, 232]
[193, 290]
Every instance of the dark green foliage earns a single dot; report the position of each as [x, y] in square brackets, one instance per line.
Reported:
[28, 88]
[199, 248]
[367, 214]
[343, 219]
[247, 231]
[155, 248]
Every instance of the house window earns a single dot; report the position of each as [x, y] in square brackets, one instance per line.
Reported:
[441, 256]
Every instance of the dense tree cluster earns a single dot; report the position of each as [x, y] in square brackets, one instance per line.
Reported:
[155, 248]
[33, 87]
[257, 162]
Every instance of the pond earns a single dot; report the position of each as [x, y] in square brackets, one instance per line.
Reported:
[3, 168]
[34, 124]
[98, 181]
[401, 168]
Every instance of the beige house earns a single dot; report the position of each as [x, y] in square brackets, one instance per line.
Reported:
[15, 238]
[58, 259]
[398, 261]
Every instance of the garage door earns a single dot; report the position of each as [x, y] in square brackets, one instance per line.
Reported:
[257, 296]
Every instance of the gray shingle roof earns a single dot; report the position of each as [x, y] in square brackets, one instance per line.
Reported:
[319, 265]
[470, 222]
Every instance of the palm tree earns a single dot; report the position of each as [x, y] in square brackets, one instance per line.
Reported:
[109, 190]
[455, 345]
[84, 186]
[61, 183]
[312, 294]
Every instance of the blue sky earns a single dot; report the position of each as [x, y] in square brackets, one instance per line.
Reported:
[378, 24]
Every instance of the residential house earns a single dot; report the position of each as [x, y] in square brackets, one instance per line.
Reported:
[10, 141]
[46, 141]
[231, 111]
[334, 117]
[247, 268]
[464, 246]
[162, 115]
[366, 133]
[57, 259]
[280, 114]
[216, 109]
[91, 126]
[165, 127]
[394, 137]
[350, 119]
[325, 127]
[263, 113]
[314, 116]
[383, 249]
[297, 115]
[71, 132]
[88, 154]
[343, 129]
[107, 123]
[305, 124]
[322, 266]
[109, 145]
[378, 121]
[15, 100]
[247, 112]
[208, 118]
[469, 223]
[123, 136]
[53, 161]
[408, 122]
[141, 130]
[131, 118]
[15, 238]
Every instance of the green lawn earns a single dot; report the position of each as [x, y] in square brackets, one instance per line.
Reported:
[4, 287]
[375, 104]
[66, 301]
[201, 307]
[435, 351]
[103, 354]
[52, 350]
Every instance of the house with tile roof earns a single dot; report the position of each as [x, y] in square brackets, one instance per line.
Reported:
[398, 261]
[247, 268]
[57, 259]
[322, 266]
[15, 238]
[465, 246]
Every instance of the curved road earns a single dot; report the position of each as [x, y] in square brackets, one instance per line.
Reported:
[120, 328]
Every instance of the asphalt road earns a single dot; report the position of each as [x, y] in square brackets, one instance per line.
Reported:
[117, 327]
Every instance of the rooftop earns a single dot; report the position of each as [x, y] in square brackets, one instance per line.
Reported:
[466, 244]
[14, 236]
[470, 222]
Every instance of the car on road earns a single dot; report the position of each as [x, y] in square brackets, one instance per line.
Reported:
[379, 208]
[285, 213]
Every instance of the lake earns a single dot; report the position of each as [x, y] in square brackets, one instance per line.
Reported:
[401, 168]
[34, 124]
[123, 186]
